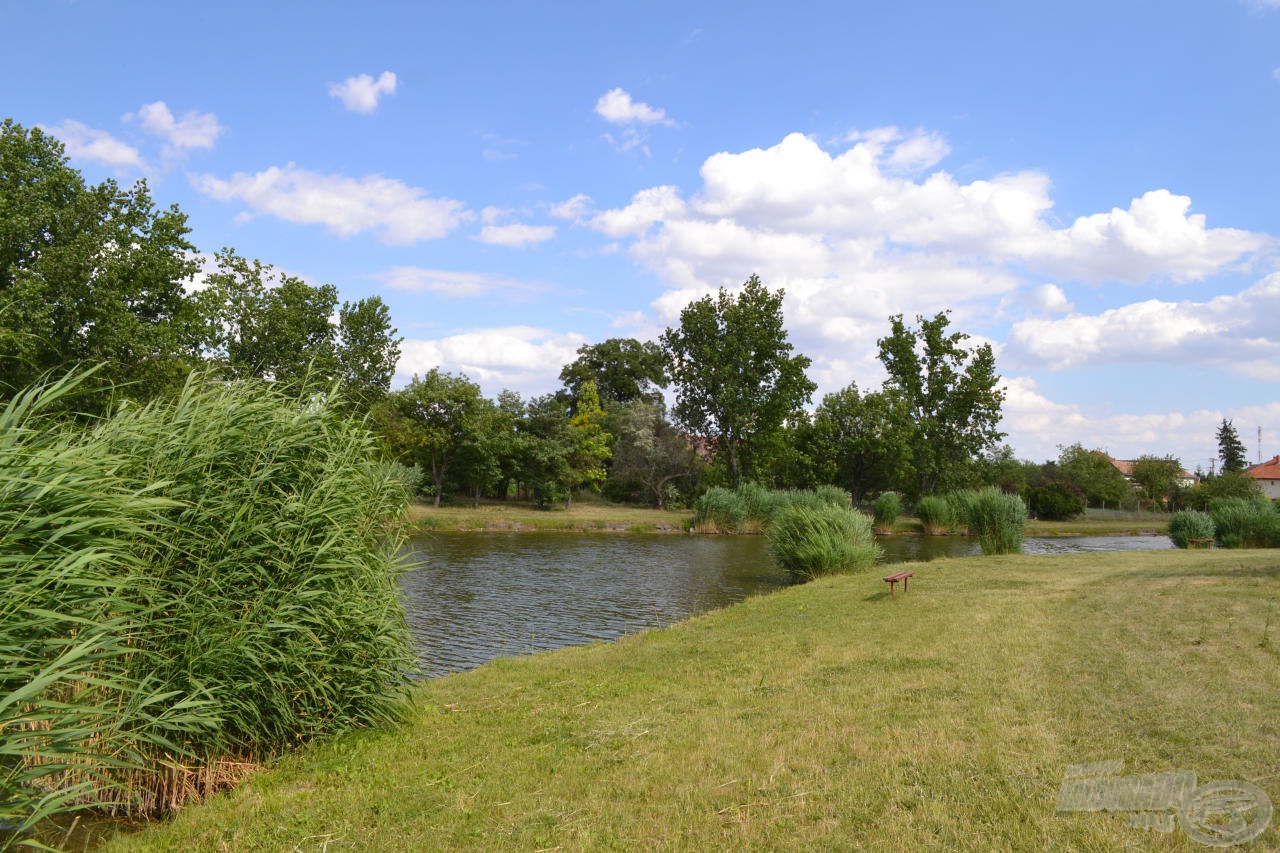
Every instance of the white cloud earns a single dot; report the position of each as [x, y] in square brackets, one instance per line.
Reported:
[1049, 299]
[361, 93]
[1038, 425]
[574, 209]
[617, 107]
[454, 284]
[522, 358]
[97, 146]
[516, 236]
[193, 130]
[399, 214]
[1237, 331]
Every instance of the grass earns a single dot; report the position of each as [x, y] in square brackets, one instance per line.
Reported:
[822, 540]
[822, 717]
[587, 517]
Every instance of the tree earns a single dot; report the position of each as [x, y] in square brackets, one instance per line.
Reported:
[862, 442]
[367, 351]
[546, 447]
[590, 441]
[1156, 476]
[1231, 450]
[441, 409]
[735, 376]
[88, 274]
[1092, 472]
[623, 369]
[650, 451]
[952, 394]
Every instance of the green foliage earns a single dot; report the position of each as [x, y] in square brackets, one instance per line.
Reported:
[88, 275]
[886, 510]
[952, 394]
[1245, 523]
[650, 452]
[998, 520]
[961, 505]
[624, 370]
[591, 443]
[1055, 502]
[811, 541]
[1092, 473]
[1232, 484]
[1188, 525]
[935, 514]
[736, 378]
[430, 421]
[1231, 450]
[862, 441]
[204, 580]
[1156, 476]
[721, 508]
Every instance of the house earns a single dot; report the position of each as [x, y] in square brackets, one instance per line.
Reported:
[1268, 476]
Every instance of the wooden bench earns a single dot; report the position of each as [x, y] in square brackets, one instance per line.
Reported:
[893, 579]
[1199, 543]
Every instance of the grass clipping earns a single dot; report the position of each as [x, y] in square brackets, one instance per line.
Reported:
[190, 588]
[810, 541]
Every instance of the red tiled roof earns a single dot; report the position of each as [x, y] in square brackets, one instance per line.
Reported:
[1269, 470]
[1124, 466]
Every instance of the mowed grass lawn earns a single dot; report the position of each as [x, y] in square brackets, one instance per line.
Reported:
[824, 716]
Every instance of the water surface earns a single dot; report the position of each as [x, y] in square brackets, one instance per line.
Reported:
[472, 597]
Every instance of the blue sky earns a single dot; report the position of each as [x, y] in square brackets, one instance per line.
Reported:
[1089, 186]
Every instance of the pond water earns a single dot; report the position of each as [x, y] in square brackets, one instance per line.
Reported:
[472, 597]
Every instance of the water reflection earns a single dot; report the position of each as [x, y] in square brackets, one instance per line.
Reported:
[472, 597]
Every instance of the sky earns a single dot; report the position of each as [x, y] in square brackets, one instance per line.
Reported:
[1090, 187]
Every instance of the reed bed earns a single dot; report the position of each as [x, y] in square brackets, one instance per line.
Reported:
[752, 508]
[196, 586]
[812, 541]
[1190, 527]
[886, 510]
[1245, 522]
[935, 515]
[998, 520]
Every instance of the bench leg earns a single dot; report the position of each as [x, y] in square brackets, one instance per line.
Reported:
[905, 581]
[892, 584]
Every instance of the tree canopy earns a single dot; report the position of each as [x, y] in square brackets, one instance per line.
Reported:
[1231, 450]
[624, 371]
[735, 375]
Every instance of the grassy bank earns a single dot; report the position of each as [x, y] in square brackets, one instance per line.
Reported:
[818, 717]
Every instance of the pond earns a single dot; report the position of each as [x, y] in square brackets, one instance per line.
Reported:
[472, 597]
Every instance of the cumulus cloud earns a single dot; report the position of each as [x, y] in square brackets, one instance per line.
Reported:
[1048, 298]
[1236, 331]
[193, 130]
[574, 209]
[1037, 425]
[617, 107]
[454, 284]
[523, 358]
[397, 213]
[96, 146]
[361, 93]
[516, 236]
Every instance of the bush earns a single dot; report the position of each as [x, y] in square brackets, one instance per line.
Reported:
[1188, 525]
[998, 520]
[833, 495]
[720, 509]
[809, 542]
[240, 547]
[961, 505]
[1245, 523]
[1055, 502]
[886, 509]
[1229, 484]
[935, 515]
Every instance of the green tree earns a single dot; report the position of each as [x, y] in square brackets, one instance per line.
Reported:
[623, 369]
[1156, 476]
[651, 452]
[441, 410]
[734, 371]
[952, 393]
[862, 442]
[590, 441]
[1231, 450]
[366, 351]
[546, 449]
[1092, 472]
[88, 274]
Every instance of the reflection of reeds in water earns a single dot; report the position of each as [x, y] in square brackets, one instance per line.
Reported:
[190, 588]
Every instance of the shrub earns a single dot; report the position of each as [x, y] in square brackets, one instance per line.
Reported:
[833, 495]
[249, 541]
[886, 510]
[1188, 525]
[809, 542]
[720, 509]
[961, 506]
[1055, 502]
[1228, 484]
[935, 515]
[998, 520]
[1245, 523]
